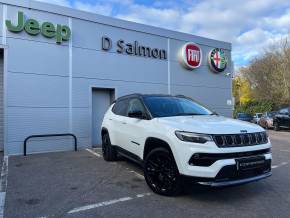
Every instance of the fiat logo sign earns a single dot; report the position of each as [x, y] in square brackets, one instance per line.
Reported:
[190, 55]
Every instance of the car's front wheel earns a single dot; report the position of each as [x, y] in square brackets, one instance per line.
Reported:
[109, 152]
[161, 172]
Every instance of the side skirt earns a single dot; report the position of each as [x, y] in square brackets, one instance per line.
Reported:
[129, 155]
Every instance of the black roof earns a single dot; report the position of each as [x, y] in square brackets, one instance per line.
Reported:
[148, 95]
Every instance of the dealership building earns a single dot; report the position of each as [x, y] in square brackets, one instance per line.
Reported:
[61, 68]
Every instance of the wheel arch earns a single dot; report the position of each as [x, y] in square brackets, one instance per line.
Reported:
[104, 130]
[152, 143]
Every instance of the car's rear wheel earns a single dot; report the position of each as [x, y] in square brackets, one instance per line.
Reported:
[109, 152]
[276, 126]
[161, 172]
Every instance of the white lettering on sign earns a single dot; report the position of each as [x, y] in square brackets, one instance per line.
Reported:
[193, 55]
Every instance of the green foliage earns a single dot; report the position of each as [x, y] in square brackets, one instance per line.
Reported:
[269, 74]
[264, 85]
[253, 107]
[241, 90]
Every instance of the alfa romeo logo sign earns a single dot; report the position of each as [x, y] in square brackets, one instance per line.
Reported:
[217, 60]
[190, 55]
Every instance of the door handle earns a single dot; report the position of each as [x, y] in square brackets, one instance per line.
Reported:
[124, 123]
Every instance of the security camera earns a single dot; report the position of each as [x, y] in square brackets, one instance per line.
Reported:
[227, 74]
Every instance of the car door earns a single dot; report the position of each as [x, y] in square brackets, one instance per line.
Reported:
[262, 121]
[284, 115]
[287, 118]
[118, 122]
[136, 127]
[279, 117]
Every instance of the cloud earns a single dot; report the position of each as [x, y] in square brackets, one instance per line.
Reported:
[168, 18]
[103, 8]
[57, 2]
[250, 26]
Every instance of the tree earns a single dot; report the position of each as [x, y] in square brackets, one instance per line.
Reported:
[269, 75]
[241, 90]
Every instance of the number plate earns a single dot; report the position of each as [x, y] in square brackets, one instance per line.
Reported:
[250, 163]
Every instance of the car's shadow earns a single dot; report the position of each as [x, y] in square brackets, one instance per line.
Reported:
[224, 194]
[198, 192]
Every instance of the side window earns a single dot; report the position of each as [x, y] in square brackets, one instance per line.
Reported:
[283, 111]
[120, 107]
[135, 105]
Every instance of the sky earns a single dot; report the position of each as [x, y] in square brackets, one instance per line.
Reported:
[250, 25]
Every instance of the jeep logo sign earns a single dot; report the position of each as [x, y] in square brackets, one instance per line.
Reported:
[190, 56]
[32, 27]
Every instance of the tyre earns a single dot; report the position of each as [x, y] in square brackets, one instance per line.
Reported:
[109, 152]
[276, 126]
[161, 172]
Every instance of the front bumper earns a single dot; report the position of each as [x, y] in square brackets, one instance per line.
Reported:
[212, 172]
[236, 182]
[231, 175]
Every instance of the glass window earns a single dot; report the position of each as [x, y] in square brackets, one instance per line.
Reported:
[283, 111]
[243, 115]
[120, 107]
[135, 105]
[167, 106]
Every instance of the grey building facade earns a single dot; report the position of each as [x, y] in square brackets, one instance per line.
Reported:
[62, 68]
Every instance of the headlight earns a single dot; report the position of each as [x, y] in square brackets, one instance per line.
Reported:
[193, 137]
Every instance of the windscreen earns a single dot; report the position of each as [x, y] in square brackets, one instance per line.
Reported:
[271, 115]
[173, 106]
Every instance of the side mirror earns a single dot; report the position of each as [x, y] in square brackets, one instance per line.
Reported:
[215, 113]
[136, 114]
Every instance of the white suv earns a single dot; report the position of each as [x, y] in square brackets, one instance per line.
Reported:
[174, 138]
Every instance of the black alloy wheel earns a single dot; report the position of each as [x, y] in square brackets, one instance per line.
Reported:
[161, 172]
[109, 152]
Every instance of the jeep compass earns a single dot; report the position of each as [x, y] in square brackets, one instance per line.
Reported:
[174, 138]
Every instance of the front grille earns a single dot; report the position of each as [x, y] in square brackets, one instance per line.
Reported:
[237, 140]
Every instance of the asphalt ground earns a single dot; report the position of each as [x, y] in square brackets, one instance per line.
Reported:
[82, 184]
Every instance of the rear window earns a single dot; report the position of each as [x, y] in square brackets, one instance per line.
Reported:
[244, 115]
[271, 115]
[121, 107]
[284, 111]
